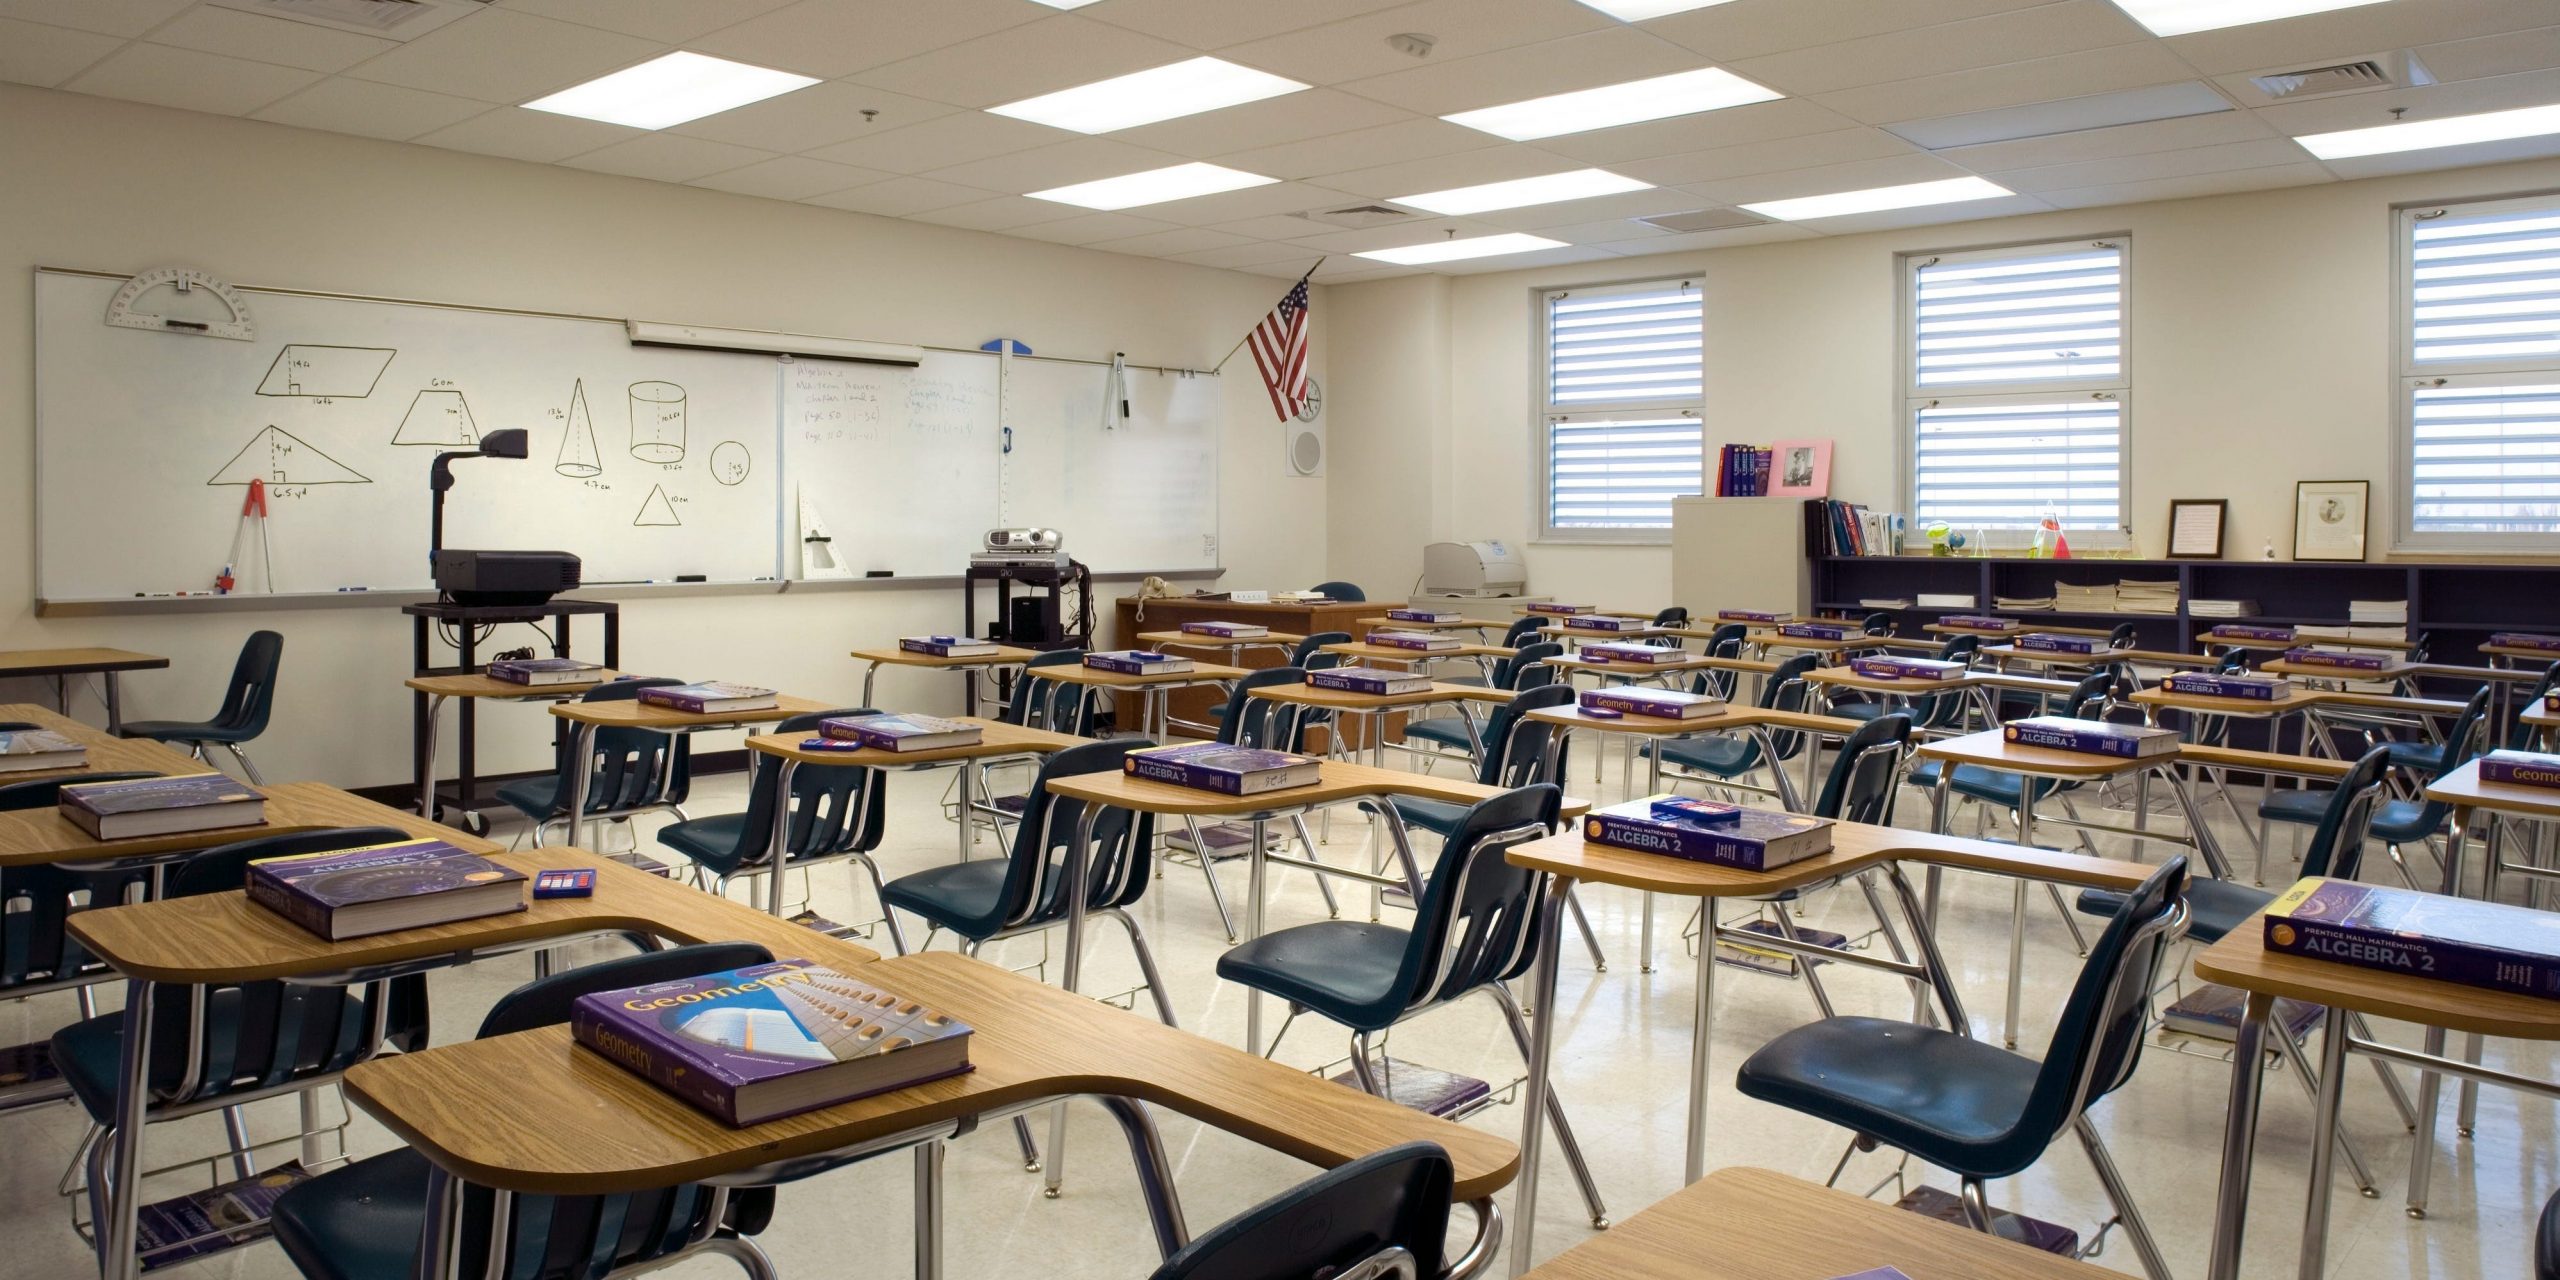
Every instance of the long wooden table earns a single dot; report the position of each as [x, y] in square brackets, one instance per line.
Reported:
[62, 664]
[36, 837]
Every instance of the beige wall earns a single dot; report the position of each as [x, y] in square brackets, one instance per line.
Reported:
[2260, 340]
[88, 182]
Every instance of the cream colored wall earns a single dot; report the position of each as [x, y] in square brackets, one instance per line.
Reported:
[88, 182]
[2260, 336]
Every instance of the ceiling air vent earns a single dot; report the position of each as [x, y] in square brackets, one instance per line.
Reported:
[2384, 71]
[396, 19]
[1358, 217]
[1702, 220]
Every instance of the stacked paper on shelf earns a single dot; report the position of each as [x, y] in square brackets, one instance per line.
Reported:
[2349, 635]
[2023, 604]
[1945, 600]
[2135, 595]
[1882, 602]
[2389, 613]
[2094, 597]
[2222, 608]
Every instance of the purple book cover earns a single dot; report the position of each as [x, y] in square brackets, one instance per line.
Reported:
[1660, 704]
[2337, 659]
[2043, 642]
[699, 698]
[1568, 609]
[2478, 944]
[309, 888]
[944, 646]
[1891, 668]
[150, 795]
[1816, 631]
[1630, 651]
[1227, 630]
[703, 1039]
[1751, 615]
[892, 732]
[2235, 631]
[522, 670]
[2209, 684]
[1413, 640]
[2091, 737]
[1374, 680]
[1605, 622]
[1758, 840]
[2525, 640]
[1212, 766]
[1422, 615]
[1133, 662]
[2521, 768]
[1976, 622]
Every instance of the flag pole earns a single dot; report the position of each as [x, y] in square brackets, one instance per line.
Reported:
[1221, 366]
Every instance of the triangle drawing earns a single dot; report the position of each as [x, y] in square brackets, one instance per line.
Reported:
[579, 458]
[277, 456]
[656, 510]
[440, 418]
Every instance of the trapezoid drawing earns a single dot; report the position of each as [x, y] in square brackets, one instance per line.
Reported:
[278, 456]
[656, 510]
[311, 370]
[657, 422]
[439, 418]
[579, 457]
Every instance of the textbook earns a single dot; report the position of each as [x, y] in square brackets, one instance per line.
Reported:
[710, 697]
[1549, 606]
[1892, 668]
[1759, 840]
[2213, 1011]
[2338, 659]
[1137, 662]
[1752, 615]
[1214, 766]
[2521, 768]
[1375, 680]
[1659, 704]
[2211, 684]
[1418, 641]
[948, 646]
[538, 672]
[2525, 640]
[1224, 840]
[2237, 631]
[1608, 622]
[2477, 944]
[1817, 631]
[2092, 737]
[1425, 1089]
[161, 806]
[2035, 1233]
[27, 750]
[1227, 630]
[771, 1040]
[1976, 622]
[1631, 651]
[2047, 642]
[380, 888]
[901, 733]
[213, 1219]
[1425, 615]
[1775, 960]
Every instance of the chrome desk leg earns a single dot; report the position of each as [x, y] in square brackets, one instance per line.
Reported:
[777, 845]
[2240, 1136]
[1257, 872]
[582, 746]
[1534, 1094]
[1155, 1173]
[1070, 970]
[119, 1210]
[968, 820]
[1701, 1036]
[2324, 1143]
[427, 762]
[115, 703]
[929, 1210]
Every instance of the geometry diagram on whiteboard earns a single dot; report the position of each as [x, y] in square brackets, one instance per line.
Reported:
[438, 418]
[280, 457]
[345, 372]
[656, 510]
[579, 458]
[657, 422]
[730, 462]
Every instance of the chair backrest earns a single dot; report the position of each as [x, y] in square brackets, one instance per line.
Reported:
[1342, 591]
[251, 696]
[1727, 642]
[1940, 710]
[1521, 629]
[1040, 702]
[835, 808]
[1862, 781]
[1515, 746]
[2523, 736]
[1117, 863]
[1312, 647]
[1261, 722]
[631, 768]
[1527, 667]
[2458, 746]
[1877, 624]
[1476, 923]
[2098, 1038]
[2336, 845]
[2123, 634]
[1675, 616]
[35, 901]
[1787, 690]
[1388, 1202]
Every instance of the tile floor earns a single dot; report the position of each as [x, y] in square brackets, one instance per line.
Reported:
[1622, 1068]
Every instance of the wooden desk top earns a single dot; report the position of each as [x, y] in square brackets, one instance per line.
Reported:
[1692, 662]
[1574, 717]
[107, 752]
[1399, 624]
[2537, 717]
[2026, 625]
[1606, 613]
[1770, 639]
[599, 1129]
[2291, 699]
[2447, 707]
[2246, 760]
[1585, 635]
[1368, 652]
[997, 739]
[2139, 657]
[2464, 790]
[2480, 675]
[480, 686]
[1340, 782]
[632, 713]
[1906, 686]
[1753, 666]
[32, 837]
[72, 662]
[1855, 846]
[1190, 640]
[2209, 640]
[1307, 695]
[1004, 656]
[1241, 607]
[2390, 670]
[1754, 1224]
[2241, 959]
[1200, 673]
[2522, 651]
[223, 937]
[1990, 750]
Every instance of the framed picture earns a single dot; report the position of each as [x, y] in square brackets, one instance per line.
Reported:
[2195, 527]
[2329, 519]
[1800, 469]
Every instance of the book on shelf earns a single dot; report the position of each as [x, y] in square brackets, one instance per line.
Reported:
[2048, 642]
[2489, 945]
[1817, 630]
[949, 646]
[1742, 471]
[536, 673]
[2525, 640]
[1883, 602]
[2336, 658]
[1213, 766]
[902, 732]
[2238, 631]
[1757, 840]
[1138, 662]
[1433, 616]
[383, 888]
[2223, 609]
[1378, 681]
[1226, 630]
[1754, 615]
[1418, 641]
[1775, 960]
[1631, 651]
[2035, 1233]
[214, 1219]
[1948, 600]
[2213, 1011]
[711, 697]
[1891, 667]
[2091, 737]
[771, 1040]
[1977, 622]
[1559, 608]
[28, 750]
[1658, 704]
[2521, 768]
[2022, 604]
[161, 806]
[2218, 684]
[2391, 613]
[1606, 622]
[1836, 528]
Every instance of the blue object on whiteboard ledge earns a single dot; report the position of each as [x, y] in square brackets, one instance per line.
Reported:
[1005, 346]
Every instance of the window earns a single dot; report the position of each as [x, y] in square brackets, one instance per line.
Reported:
[2016, 387]
[1619, 425]
[2479, 441]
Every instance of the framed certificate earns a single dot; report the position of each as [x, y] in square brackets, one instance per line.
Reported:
[2195, 527]
[2329, 519]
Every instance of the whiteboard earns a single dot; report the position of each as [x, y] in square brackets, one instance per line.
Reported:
[1130, 496]
[648, 463]
[899, 463]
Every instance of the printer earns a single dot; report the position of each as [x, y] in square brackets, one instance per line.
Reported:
[1473, 569]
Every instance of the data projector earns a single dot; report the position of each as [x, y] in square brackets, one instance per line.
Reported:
[505, 577]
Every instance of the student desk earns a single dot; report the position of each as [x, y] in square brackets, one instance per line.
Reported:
[62, 664]
[1133, 616]
[1373, 712]
[2542, 722]
[1768, 639]
[107, 753]
[2509, 655]
[2208, 640]
[1152, 694]
[2006, 654]
[1901, 691]
[1363, 651]
[459, 626]
[631, 713]
[1478, 625]
[969, 668]
[1754, 1224]
[1558, 618]
[474, 686]
[2390, 671]
[2026, 626]
[1856, 848]
[1580, 636]
[43, 837]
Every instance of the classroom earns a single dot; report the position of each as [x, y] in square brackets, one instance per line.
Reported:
[1280, 639]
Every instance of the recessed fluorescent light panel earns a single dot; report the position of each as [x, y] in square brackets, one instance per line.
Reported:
[2420, 135]
[1155, 186]
[1144, 97]
[1639, 10]
[1418, 255]
[2178, 17]
[1876, 199]
[1519, 193]
[670, 90]
[1684, 93]
[1066, 4]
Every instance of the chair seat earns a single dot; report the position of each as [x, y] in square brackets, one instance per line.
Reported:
[184, 731]
[964, 897]
[2214, 907]
[1723, 756]
[89, 1052]
[361, 1221]
[1860, 711]
[1974, 782]
[1951, 1101]
[2296, 805]
[1447, 731]
[711, 841]
[2417, 757]
[1435, 816]
[2401, 822]
[1344, 970]
[535, 798]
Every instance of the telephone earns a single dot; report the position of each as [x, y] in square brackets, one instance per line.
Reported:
[1152, 588]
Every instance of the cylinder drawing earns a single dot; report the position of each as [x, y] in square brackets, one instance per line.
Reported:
[657, 422]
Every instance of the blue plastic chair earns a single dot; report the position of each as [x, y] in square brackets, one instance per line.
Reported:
[246, 703]
[838, 813]
[2521, 736]
[1725, 759]
[1976, 1110]
[1526, 668]
[1522, 628]
[2009, 791]
[1342, 592]
[1245, 720]
[1039, 701]
[1383, 1214]
[1937, 711]
[1725, 642]
[1309, 655]
[633, 771]
[36, 953]
[366, 1220]
[1474, 930]
[2395, 822]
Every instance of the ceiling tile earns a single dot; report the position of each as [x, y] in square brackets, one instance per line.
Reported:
[958, 138]
[1244, 253]
[2493, 55]
[33, 53]
[1524, 261]
[788, 178]
[1733, 126]
[340, 105]
[1627, 204]
[667, 21]
[2429, 102]
[2183, 99]
[1611, 56]
[1166, 244]
[1272, 227]
[1755, 28]
[2188, 186]
[1338, 271]
[2350, 32]
[2043, 32]
[667, 157]
[1729, 237]
[1089, 227]
[194, 81]
[1840, 146]
[2124, 66]
[2120, 140]
[2263, 153]
[899, 197]
[1414, 139]
[1440, 173]
[518, 134]
[830, 38]
[1420, 231]
[1202, 25]
[214, 29]
[817, 116]
[1856, 175]
[1609, 231]
[1025, 62]
[1004, 213]
[1055, 165]
[498, 55]
[1357, 48]
[105, 17]
[1279, 198]
[1294, 117]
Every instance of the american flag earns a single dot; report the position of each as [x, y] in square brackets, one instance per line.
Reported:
[1280, 350]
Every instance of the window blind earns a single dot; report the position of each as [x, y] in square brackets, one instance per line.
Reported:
[2049, 315]
[2486, 287]
[1996, 463]
[1621, 473]
[2483, 366]
[1622, 367]
[1633, 346]
[2485, 458]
